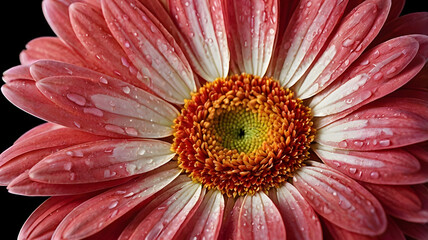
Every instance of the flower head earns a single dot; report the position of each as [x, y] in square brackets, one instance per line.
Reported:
[217, 119]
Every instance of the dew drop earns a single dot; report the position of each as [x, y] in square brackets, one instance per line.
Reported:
[93, 111]
[142, 152]
[67, 166]
[103, 80]
[364, 63]
[77, 99]
[352, 170]
[77, 124]
[126, 89]
[358, 143]
[348, 42]
[113, 204]
[384, 143]
[343, 144]
[374, 174]
[130, 194]
[131, 131]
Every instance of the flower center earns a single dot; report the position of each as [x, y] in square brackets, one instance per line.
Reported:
[242, 134]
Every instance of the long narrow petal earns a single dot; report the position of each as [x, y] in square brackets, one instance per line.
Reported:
[20, 72]
[392, 166]
[102, 161]
[409, 203]
[161, 64]
[100, 211]
[257, 218]
[354, 34]
[340, 200]
[301, 222]
[49, 48]
[44, 220]
[206, 222]
[414, 230]
[252, 27]
[201, 24]
[91, 29]
[23, 185]
[111, 105]
[307, 32]
[378, 126]
[371, 77]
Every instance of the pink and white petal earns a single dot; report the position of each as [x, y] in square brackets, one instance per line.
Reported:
[25, 95]
[252, 26]
[23, 185]
[163, 218]
[49, 48]
[257, 218]
[392, 232]
[414, 230]
[91, 29]
[392, 166]
[371, 77]
[300, 220]
[353, 35]
[20, 72]
[340, 199]
[307, 32]
[111, 105]
[102, 161]
[51, 136]
[206, 222]
[413, 23]
[201, 24]
[100, 211]
[151, 49]
[44, 220]
[388, 126]
[402, 202]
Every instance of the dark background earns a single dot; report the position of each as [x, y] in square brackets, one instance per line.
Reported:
[20, 22]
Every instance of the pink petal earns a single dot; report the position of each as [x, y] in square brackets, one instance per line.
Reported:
[257, 218]
[252, 26]
[23, 185]
[206, 222]
[413, 23]
[353, 35]
[340, 199]
[204, 36]
[396, 9]
[25, 95]
[44, 220]
[371, 77]
[102, 161]
[161, 64]
[102, 210]
[392, 166]
[414, 230]
[49, 48]
[306, 33]
[300, 220]
[403, 202]
[378, 126]
[392, 232]
[20, 72]
[42, 128]
[111, 104]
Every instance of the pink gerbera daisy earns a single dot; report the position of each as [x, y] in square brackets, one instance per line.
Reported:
[224, 119]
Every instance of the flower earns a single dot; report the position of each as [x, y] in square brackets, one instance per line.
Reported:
[223, 119]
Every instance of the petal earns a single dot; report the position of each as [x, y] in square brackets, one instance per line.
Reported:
[301, 222]
[20, 72]
[49, 48]
[414, 230]
[378, 126]
[204, 36]
[91, 29]
[164, 217]
[257, 218]
[153, 51]
[102, 161]
[409, 203]
[23, 185]
[44, 220]
[354, 34]
[252, 26]
[116, 106]
[371, 77]
[307, 32]
[392, 166]
[100, 211]
[413, 23]
[396, 9]
[340, 199]
[206, 222]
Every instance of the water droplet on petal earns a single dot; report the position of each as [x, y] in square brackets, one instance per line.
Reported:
[113, 204]
[77, 99]
[126, 89]
[374, 174]
[384, 143]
